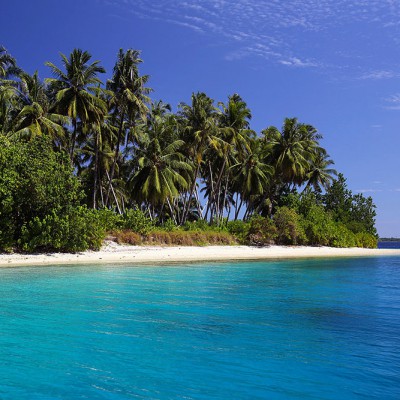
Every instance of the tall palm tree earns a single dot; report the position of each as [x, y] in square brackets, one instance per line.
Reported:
[200, 133]
[97, 156]
[234, 122]
[129, 98]
[74, 91]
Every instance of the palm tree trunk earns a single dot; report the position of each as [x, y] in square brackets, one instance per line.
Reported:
[113, 193]
[199, 208]
[112, 172]
[209, 203]
[171, 210]
[216, 192]
[225, 192]
[176, 207]
[73, 140]
[123, 204]
[238, 208]
[96, 169]
[101, 195]
[187, 206]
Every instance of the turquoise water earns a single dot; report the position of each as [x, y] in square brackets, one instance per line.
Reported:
[321, 329]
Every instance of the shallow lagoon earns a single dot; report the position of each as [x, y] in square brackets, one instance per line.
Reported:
[310, 329]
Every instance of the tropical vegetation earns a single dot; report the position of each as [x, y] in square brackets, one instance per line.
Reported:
[81, 157]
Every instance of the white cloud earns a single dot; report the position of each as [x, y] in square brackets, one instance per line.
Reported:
[296, 62]
[393, 102]
[376, 75]
[291, 32]
[369, 190]
[395, 98]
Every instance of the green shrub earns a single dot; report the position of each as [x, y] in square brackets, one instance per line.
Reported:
[342, 237]
[239, 229]
[77, 230]
[318, 226]
[109, 220]
[200, 225]
[137, 221]
[291, 200]
[262, 231]
[35, 181]
[366, 240]
[289, 228]
[169, 225]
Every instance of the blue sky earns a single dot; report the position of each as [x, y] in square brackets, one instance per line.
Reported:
[330, 63]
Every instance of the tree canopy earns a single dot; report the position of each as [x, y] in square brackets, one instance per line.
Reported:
[127, 151]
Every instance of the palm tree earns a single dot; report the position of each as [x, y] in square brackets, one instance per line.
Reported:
[129, 98]
[97, 156]
[292, 150]
[234, 122]
[200, 133]
[160, 174]
[8, 65]
[74, 91]
[320, 175]
[9, 102]
[34, 119]
[251, 178]
[9, 105]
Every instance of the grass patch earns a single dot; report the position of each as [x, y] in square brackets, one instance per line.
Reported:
[175, 238]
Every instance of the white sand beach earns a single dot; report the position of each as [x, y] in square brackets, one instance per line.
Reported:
[112, 253]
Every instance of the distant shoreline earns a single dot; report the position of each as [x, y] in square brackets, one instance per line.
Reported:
[112, 253]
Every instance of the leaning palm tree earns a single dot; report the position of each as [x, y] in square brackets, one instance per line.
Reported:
[74, 89]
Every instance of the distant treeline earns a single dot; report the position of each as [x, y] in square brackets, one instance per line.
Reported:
[389, 239]
[78, 157]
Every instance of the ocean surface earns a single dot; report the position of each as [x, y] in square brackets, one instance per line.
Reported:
[388, 245]
[310, 329]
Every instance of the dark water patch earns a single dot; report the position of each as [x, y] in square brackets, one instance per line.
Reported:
[389, 245]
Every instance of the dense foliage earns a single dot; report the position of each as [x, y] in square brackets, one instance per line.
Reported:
[79, 159]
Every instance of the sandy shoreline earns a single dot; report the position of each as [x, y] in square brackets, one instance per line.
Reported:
[113, 253]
